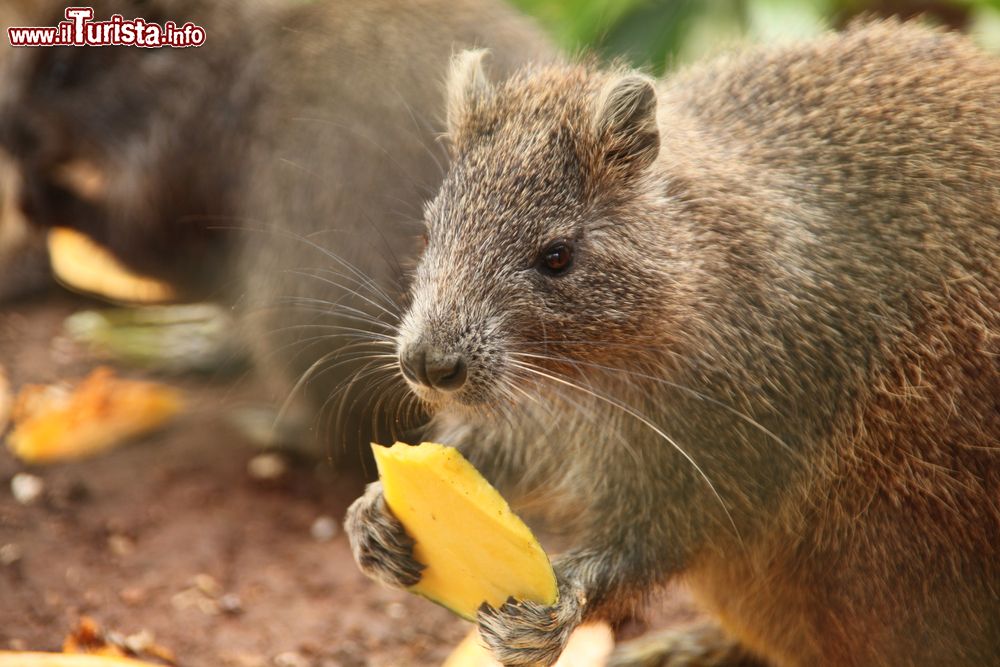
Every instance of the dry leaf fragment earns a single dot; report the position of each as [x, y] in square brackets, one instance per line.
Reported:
[89, 639]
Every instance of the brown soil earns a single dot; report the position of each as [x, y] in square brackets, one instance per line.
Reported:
[172, 536]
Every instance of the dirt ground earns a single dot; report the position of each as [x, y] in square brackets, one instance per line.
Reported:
[172, 536]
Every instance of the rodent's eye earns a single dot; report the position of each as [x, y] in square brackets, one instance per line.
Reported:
[556, 258]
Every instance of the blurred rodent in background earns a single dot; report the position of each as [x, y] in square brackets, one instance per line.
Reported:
[741, 326]
[280, 167]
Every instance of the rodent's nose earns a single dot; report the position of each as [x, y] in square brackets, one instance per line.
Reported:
[432, 367]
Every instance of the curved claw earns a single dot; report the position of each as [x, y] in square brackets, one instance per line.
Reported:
[522, 633]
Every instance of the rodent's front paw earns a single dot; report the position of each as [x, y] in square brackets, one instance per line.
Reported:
[521, 633]
[381, 546]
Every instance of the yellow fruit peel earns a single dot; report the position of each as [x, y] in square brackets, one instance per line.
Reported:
[474, 547]
[83, 265]
[57, 423]
[41, 659]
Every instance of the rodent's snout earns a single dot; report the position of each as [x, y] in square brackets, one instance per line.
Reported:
[432, 367]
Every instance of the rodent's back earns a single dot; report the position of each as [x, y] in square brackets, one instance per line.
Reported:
[846, 188]
[889, 131]
[868, 166]
[872, 161]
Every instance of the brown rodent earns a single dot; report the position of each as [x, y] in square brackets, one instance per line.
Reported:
[237, 169]
[138, 148]
[347, 154]
[742, 327]
[23, 254]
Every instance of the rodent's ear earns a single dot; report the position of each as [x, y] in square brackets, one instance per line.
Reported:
[625, 124]
[467, 88]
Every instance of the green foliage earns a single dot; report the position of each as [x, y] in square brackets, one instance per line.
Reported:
[658, 33]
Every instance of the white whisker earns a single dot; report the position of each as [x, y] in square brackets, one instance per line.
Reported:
[643, 420]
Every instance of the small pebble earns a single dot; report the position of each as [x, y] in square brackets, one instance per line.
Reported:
[26, 488]
[291, 659]
[133, 595]
[231, 604]
[186, 599]
[267, 466]
[10, 554]
[208, 585]
[396, 610]
[121, 545]
[324, 528]
[139, 642]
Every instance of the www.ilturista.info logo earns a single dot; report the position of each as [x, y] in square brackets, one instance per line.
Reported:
[79, 29]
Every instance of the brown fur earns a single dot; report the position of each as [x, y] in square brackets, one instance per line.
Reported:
[791, 314]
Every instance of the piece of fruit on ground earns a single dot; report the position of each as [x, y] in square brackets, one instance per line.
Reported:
[84, 266]
[59, 422]
[474, 547]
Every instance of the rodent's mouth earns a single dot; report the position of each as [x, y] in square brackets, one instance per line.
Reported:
[473, 395]
[437, 399]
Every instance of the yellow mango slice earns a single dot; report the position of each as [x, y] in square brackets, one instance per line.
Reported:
[589, 646]
[83, 265]
[58, 423]
[475, 548]
[39, 659]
